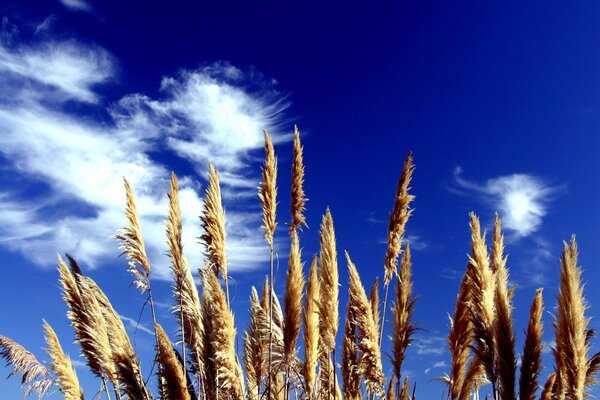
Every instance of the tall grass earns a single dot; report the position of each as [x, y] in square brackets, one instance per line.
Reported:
[292, 352]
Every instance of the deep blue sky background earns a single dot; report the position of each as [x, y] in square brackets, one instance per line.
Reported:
[500, 105]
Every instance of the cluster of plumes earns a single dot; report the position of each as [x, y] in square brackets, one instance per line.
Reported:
[204, 363]
[482, 339]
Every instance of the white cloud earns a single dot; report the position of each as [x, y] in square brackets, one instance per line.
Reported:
[69, 68]
[521, 199]
[76, 5]
[435, 345]
[72, 166]
[134, 325]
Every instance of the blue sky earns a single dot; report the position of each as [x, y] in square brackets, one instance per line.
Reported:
[499, 104]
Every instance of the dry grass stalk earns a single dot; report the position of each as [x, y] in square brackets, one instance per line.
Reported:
[329, 282]
[391, 390]
[374, 300]
[125, 361]
[398, 218]
[504, 337]
[267, 192]
[298, 196]
[311, 328]
[293, 300]
[549, 388]
[87, 324]
[132, 243]
[172, 383]
[35, 377]
[61, 366]
[221, 334]
[531, 360]
[459, 339]
[350, 368]
[402, 313]
[483, 286]
[187, 307]
[213, 224]
[370, 355]
[571, 328]
[254, 351]
[404, 392]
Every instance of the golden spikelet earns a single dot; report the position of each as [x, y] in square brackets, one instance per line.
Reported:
[132, 243]
[265, 296]
[61, 365]
[374, 300]
[298, 196]
[370, 355]
[483, 286]
[213, 224]
[549, 388]
[351, 373]
[124, 359]
[571, 327]
[254, 349]
[267, 192]
[294, 288]
[402, 314]
[187, 307]
[391, 390]
[398, 218]
[221, 334]
[531, 360]
[86, 318]
[504, 337]
[404, 392]
[35, 377]
[311, 328]
[329, 277]
[459, 338]
[171, 378]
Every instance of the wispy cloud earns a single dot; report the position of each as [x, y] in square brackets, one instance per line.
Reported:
[76, 5]
[432, 345]
[70, 166]
[439, 364]
[521, 199]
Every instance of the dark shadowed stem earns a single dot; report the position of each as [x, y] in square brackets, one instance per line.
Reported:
[270, 318]
[334, 374]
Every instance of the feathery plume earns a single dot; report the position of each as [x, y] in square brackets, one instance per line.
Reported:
[531, 360]
[61, 365]
[459, 338]
[398, 218]
[504, 337]
[548, 391]
[171, 378]
[293, 299]
[221, 333]
[132, 243]
[267, 192]
[374, 300]
[370, 355]
[254, 349]
[213, 224]
[125, 361]
[483, 287]
[351, 373]
[571, 327]
[328, 303]
[35, 377]
[298, 196]
[402, 314]
[187, 307]
[404, 392]
[311, 327]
